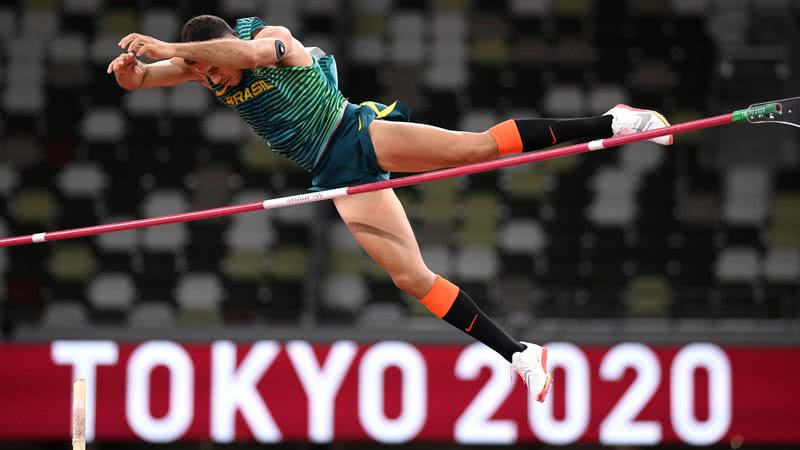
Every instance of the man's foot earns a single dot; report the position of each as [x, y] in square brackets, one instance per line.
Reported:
[531, 365]
[629, 120]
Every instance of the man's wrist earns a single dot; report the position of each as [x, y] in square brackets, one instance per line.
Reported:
[174, 50]
[132, 80]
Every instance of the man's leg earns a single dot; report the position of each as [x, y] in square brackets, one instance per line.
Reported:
[379, 224]
[412, 147]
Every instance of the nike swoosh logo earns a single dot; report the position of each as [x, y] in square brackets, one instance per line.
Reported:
[553, 134]
[643, 119]
[220, 92]
[472, 323]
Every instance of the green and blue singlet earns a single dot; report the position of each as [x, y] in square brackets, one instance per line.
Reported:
[296, 111]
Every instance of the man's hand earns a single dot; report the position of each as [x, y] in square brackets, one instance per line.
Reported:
[142, 45]
[125, 64]
[128, 71]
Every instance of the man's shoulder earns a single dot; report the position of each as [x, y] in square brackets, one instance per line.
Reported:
[260, 71]
[247, 27]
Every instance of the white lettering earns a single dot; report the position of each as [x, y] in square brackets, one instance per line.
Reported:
[371, 392]
[143, 360]
[621, 426]
[475, 426]
[84, 357]
[321, 383]
[577, 403]
[684, 422]
[233, 389]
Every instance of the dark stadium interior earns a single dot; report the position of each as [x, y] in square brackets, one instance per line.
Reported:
[642, 241]
[705, 229]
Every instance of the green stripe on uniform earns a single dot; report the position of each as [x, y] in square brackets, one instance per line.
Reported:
[296, 111]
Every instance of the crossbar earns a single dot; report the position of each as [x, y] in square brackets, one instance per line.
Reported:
[330, 194]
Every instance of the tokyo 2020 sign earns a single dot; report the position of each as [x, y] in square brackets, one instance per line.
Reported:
[628, 394]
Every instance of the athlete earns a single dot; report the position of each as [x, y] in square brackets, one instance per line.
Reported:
[289, 95]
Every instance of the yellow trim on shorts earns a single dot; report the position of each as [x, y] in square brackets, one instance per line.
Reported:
[379, 113]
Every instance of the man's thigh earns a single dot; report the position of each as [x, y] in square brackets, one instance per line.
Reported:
[379, 224]
[415, 147]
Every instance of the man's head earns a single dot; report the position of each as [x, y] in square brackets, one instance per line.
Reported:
[206, 28]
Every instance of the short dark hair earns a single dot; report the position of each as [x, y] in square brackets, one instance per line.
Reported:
[205, 28]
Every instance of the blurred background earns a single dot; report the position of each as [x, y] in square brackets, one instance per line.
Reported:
[697, 242]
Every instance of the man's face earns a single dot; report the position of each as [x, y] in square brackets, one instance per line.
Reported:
[219, 75]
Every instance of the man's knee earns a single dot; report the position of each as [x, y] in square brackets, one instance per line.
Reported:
[414, 282]
[474, 148]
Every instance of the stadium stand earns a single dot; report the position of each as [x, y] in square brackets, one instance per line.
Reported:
[704, 229]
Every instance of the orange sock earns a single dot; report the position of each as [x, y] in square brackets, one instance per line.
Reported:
[441, 297]
[454, 306]
[507, 136]
[517, 135]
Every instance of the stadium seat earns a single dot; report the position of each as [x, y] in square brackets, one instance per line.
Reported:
[738, 264]
[64, 314]
[8, 22]
[747, 191]
[103, 125]
[648, 296]
[33, 206]
[782, 265]
[382, 314]
[198, 296]
[8, 179]
[344, 294]
[151, 315]
[112, 292]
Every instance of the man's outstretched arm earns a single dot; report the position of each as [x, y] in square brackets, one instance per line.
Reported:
[271, 46]
[132, 74]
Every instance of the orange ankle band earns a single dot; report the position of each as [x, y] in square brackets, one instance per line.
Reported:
[441, 297]
[507, 136]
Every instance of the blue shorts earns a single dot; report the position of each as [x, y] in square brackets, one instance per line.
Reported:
[349, 157]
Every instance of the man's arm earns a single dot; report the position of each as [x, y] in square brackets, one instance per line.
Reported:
[232, 53]
[132, 74]
[295, 54]
[272, 45]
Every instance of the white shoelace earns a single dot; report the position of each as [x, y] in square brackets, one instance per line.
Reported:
[521, 366]
[625, 123]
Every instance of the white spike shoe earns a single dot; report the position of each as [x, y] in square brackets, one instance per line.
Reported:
[531, 365]
[628, 120]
